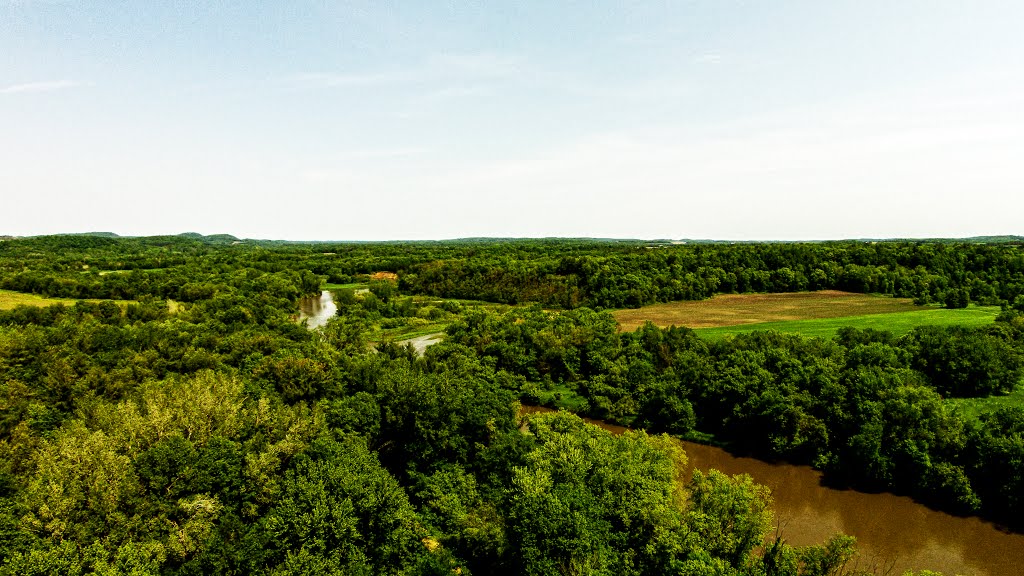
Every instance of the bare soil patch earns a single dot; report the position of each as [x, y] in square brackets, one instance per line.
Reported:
[736, 309]
[390, 276]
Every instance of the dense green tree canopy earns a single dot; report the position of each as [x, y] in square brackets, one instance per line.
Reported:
[172, 417]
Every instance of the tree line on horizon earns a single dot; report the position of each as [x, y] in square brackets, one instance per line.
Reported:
[554, 273]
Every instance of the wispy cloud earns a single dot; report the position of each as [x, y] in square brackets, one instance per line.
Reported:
[35, 87]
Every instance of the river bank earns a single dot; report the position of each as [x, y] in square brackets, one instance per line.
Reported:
[894, 533]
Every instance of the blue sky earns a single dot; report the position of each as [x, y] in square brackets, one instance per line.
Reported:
[379, 120]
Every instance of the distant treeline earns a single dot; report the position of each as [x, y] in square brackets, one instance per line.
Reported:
[553, 273]
[953, 274]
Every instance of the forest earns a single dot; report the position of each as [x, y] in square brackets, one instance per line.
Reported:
[166, 413]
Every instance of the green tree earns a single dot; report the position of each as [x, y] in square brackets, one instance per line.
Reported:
[341, 512]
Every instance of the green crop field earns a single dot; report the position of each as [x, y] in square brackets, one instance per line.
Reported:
[896, 322]
[806, 313]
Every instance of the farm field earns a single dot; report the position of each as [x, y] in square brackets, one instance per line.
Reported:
[734, 309]
[807, 313]
[895, 322]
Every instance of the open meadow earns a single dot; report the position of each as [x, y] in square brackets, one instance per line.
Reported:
[895, 322]
[9, 300]
[806, 313]
[974, 407]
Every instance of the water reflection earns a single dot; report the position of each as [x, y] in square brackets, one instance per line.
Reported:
[316, 311]
[893, 533]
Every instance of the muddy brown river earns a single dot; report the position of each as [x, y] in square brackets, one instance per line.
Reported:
[317, 310]
[894, 534]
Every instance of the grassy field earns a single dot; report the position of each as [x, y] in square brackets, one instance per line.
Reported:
[896, 322]
[353, 285]
[9, 299]
[736, 309]
[561, 396]
[806, 313]
[974, 407]
[406, 332]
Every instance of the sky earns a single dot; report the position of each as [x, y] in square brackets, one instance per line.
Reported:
[721, 119]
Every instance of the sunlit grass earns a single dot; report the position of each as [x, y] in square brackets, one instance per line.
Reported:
[407, 332]
[349, 286]
[895, 322]
[974, 407]
[740, 309]
[562, 396]
[10, 300]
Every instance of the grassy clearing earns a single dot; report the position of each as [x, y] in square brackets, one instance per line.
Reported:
[562, 396]
[351, 285]
[9, 300]
[896, 322]
[737, 309]
[974, 407]
[416, 327]
[407, 332]
[805, 313]
[480, 304]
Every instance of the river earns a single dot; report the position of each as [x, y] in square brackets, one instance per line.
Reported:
[317, 310]
[894, 533]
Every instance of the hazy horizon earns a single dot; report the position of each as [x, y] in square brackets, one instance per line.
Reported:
[796, 121]
[103, 233]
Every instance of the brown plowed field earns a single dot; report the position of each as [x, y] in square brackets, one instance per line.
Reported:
[734, 309]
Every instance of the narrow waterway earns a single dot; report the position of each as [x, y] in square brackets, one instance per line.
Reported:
[317, 310]
[894, 534]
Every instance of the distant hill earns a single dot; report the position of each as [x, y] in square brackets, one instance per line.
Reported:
[231, 239]
[996, 239]
[1005, 239]
[96, 234]
[211, 238]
